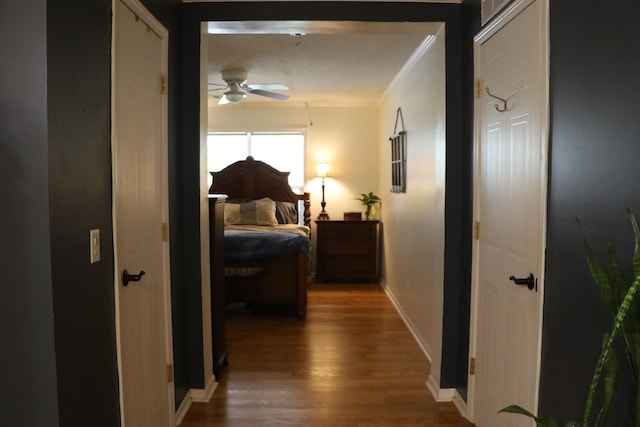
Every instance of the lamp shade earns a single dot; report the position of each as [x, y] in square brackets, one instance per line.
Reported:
[323, 170]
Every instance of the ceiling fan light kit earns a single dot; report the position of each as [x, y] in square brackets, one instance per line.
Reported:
[237, 89]
[235, 94]
[235, 97]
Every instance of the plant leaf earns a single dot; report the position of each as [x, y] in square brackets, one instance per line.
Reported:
[515, 409]
[540, 421]
[636, 251]
[621, 285]
[610, 382]
[631, 325]
[617, 325]
[368, 199]
[598, 274]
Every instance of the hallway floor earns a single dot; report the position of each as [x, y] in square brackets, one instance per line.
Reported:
[351, 363]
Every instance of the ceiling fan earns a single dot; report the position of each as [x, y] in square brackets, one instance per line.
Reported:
[236, 88]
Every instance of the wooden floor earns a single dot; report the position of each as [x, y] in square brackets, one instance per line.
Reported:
[352, 362]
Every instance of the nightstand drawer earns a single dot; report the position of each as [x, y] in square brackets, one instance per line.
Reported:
[348, 234]
[337, 247]
[347, 251]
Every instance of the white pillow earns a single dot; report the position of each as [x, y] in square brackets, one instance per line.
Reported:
[254, 212]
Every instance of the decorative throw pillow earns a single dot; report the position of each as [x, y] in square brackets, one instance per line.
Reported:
[255, 212]
[286, 213]
[236, 201]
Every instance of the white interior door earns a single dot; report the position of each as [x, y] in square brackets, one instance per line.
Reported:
[140, 215]
[511, 62]
[490, 8]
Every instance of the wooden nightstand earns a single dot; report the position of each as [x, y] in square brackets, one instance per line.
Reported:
[347, 251]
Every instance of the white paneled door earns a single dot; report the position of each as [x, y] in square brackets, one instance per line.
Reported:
[510, 199]
[140, 191]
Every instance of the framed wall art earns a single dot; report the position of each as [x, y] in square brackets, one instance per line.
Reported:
[399, 157]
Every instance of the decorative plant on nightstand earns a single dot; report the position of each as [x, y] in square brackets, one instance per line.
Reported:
[369, 200]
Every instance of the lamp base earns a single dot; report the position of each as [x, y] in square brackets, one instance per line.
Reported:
[323, 216]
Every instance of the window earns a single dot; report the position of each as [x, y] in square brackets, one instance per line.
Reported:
[282, 150]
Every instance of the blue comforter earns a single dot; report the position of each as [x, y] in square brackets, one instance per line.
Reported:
[250, 248]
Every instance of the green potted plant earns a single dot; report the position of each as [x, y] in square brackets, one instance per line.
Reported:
[369, 200]
[620, 296]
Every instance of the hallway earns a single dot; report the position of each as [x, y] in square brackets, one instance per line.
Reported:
[352, 362]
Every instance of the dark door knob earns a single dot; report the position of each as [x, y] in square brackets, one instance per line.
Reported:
[529, 281]
[126, 277]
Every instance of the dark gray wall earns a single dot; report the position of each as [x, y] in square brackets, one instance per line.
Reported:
[460, 297]
[79, 117]
[26, 301]
[594, 175]
[57, 309]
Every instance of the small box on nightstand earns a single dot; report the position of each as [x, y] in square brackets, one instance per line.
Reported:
[353, 216]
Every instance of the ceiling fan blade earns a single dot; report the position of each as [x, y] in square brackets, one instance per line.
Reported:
[218, 86]
[268, 86]
[272, 95]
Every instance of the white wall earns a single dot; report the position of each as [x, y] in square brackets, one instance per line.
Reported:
[346, 137]
[413, 267]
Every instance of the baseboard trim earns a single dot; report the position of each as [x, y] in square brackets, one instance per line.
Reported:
[195, 395]
[461, 405]
[440, 394]
[183, 408]
[406, 320]
[204, 395]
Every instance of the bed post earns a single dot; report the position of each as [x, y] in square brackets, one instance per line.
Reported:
[307, 209]
[302, 281]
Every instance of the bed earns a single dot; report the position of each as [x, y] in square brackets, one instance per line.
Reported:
[262, 278]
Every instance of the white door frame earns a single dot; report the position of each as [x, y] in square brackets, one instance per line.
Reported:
[498, 23]
[154, 25]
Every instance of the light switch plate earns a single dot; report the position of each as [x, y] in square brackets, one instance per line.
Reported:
[94, 237]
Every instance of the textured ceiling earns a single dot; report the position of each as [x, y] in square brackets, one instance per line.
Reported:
[331, 63]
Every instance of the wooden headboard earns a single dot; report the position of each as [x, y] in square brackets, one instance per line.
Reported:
[253, 179]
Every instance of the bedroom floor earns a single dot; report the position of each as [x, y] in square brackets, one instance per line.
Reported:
[352, 362]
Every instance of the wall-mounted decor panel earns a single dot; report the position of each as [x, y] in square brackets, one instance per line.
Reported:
[399, 157]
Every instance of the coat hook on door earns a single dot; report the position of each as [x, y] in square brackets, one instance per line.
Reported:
[504, 101]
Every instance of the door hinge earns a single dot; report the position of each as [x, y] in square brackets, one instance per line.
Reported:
[170, 373]
[165, 232]
[476, 230]
[472, 366]
[163, 84]
[478, 88]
